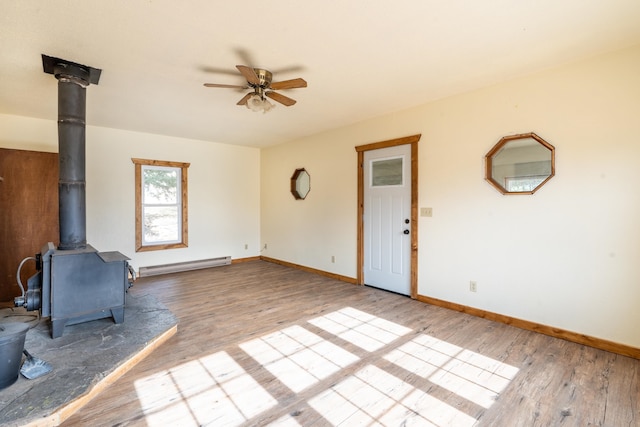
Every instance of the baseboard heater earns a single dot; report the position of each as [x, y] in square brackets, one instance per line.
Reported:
[177, 267]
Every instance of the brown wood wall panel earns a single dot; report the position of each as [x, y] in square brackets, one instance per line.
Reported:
[28, 212]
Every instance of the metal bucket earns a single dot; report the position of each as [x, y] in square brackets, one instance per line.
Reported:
[12, 336]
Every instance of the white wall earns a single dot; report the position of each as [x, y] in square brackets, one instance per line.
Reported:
[224, 189]
[310, 231]
[566, 256]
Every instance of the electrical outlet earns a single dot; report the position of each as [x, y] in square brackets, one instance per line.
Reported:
[473, 286]
[265, 247]
[333, 258]
[246, 246]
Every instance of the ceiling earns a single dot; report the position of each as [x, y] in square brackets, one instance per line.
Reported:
[361, 58]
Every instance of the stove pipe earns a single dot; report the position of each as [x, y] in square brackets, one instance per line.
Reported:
[72, 82]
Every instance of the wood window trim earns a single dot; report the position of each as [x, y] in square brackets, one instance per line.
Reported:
[138, 163]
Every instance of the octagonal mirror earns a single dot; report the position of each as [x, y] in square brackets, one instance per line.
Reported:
[520, 164]
[300, 184]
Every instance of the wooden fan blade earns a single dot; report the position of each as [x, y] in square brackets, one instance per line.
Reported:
[289, 84]
[225, 86]
[281, 98]
[244, 99]
[249, 74]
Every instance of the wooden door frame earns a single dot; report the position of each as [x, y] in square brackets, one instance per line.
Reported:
[413, 141]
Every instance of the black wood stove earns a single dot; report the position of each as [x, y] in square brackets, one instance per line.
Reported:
[74, 282]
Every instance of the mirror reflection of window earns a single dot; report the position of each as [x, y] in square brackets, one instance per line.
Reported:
[523, 183]
[520, 164]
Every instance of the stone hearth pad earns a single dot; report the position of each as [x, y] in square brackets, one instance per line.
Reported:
[84, 356]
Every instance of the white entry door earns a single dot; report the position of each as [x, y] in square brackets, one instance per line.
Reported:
[387, 215]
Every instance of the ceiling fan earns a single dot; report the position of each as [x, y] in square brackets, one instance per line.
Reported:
[259, 80]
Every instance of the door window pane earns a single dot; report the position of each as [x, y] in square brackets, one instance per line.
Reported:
[386, 172]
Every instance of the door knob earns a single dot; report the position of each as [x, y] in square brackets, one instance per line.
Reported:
[406, 231]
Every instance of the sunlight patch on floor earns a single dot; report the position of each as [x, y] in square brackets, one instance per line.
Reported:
[297, 357]
[216, 390]
[373, 397]
[362, 329]
[212, 389]
[285, 421]
[470, 375]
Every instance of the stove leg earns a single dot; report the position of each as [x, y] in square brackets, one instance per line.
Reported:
[117, 314]
[57, 327]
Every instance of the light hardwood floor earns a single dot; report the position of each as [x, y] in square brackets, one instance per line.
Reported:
[260, 344]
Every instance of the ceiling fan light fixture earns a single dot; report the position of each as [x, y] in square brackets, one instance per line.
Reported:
[257, 103]
[259, 80]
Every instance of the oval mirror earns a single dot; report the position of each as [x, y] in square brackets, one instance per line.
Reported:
[520, 164]
[300, 184]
